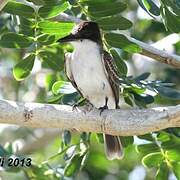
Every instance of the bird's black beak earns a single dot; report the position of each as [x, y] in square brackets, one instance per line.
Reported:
[68, 38]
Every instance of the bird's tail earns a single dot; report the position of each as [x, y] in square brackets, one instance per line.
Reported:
[113, 147]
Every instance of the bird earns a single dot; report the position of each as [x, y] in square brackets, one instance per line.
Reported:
[93, 72]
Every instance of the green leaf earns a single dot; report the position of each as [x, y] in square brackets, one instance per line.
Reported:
[8, 147]
[121, 65]
[168, 92]
[53, 57]
[50, 80]
[60, 29]
[46, 39]
[128, 100]
[121, 41]
[176, 169]
[162, 172]
[93, 2]
[127, 140]
[177, 3]
[39, 172]
[13, 40]
[173, 5]
[99, 8]
[163, 137]
[147, 148]
[150, 7]
[142, 77]
[173, 143]
[54, 98]
[70, 99]
[73, 166]
[3, 152]
[19, 9]
[147, 137]
[49, 11]
[114, 23]
[153, 159]
[63, 87]
[100, 137]
[173, 155]
[51, 2]
[136, 89]
[145, 99]
[166, 84]
[66, 136]
[23, 68]
[85, 136]
[70, 152]
[172, 21]
[27, 27]
[174, 131]
[37, 2]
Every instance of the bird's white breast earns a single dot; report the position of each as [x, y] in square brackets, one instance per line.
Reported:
[89, 74]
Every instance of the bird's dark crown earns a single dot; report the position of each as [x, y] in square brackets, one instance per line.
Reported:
[84, 30]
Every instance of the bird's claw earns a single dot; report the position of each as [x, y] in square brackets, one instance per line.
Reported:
[86, 108]
[75, 107]
[102, 109]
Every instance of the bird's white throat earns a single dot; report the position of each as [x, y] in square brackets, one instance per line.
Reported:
[85, 45]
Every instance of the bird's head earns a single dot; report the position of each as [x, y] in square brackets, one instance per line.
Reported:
[86, 30]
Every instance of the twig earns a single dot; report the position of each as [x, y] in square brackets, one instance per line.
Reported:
[159, 55]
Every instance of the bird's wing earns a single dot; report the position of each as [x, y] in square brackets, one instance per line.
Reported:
[69, 72]
[112, 74]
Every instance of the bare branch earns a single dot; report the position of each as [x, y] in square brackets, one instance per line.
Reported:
[115, 122]
[147, 50]
[159, 55]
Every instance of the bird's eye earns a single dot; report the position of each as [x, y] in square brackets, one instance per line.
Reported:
[81, 40]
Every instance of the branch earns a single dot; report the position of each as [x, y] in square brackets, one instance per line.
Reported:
[3, 3]
[159, 55]
[147, 50]
[115, 122]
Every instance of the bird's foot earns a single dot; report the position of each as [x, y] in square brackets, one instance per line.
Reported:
[84, 108]
[76, 105]
[89, 107]
[104, 107]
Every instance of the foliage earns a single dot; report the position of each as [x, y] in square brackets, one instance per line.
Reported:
[30, 29]
[169, 11]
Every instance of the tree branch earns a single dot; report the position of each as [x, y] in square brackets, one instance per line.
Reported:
[159, 55]
[147, 50]
[115, 122]
[3, 3]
